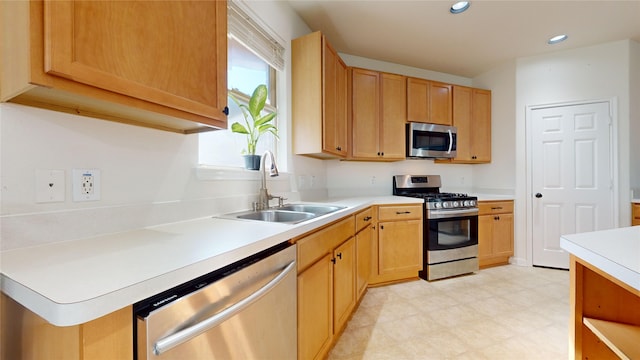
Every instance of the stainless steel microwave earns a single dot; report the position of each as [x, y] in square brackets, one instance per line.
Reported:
[431, 141]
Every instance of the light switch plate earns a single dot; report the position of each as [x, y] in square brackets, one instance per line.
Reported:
[50, 186]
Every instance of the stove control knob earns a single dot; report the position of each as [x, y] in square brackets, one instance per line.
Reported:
[472, 202]
[437, 205]
[468, 203]
[445, 204]
[456, 204]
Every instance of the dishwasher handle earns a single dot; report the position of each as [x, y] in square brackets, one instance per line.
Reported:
[182, 336]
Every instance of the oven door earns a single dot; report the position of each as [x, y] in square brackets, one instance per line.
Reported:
[452, 230]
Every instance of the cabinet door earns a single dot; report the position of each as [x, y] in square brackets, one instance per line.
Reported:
[143, 50]
[440, 103]
[462, 120]
[344, 286]
[363, 259]
[399, 246]
[315, 298]
[334, 127]
[481, 125]
[503, 235]
[393, 116]
[365, 110]
[635, 215]
[418, 100]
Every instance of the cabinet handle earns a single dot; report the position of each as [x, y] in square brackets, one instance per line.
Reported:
[497, 208]
[496, 218]
[340, 255]
[333, 260]
[381, 227]
[226, 110]
[367, 218]
[402, 212]
[339, 148]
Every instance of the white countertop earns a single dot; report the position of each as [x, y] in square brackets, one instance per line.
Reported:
[615, 251]
[73, 282]
[635, 201]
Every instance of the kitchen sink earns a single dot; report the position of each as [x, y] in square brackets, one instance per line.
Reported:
[312, 208]
[288, 214]
[280, 216]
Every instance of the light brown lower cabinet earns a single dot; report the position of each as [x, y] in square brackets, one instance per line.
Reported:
[495, 232]
[635, 214]
[25, 335]
[604, 322]
[397, 251]
[364, 239]
[326, 286]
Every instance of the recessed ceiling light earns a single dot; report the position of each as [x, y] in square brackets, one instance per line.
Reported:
[556, 39]
[459, 7]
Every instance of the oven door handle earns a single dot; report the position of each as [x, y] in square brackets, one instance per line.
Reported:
[443, 214]
[450, 141]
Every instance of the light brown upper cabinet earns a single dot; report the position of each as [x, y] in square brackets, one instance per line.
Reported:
[319, 98]
[472, 118]
[429, 101]
[378, 115]
[134, 62]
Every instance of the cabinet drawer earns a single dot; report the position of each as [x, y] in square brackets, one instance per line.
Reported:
[313, 246]
[400, 212]
[363, 219]
[635, 214]
[495, 207]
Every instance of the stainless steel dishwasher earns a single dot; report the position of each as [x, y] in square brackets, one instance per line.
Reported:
[246, 310]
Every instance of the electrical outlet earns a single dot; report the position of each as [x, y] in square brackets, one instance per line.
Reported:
[50, 186]
[86, 184]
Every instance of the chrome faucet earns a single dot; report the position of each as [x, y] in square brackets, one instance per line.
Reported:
[264, 196]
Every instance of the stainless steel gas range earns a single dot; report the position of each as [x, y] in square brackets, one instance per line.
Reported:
[450, 235]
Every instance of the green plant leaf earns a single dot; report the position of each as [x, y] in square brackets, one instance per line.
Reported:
[265, 119]
[257, 101]
[238, 128]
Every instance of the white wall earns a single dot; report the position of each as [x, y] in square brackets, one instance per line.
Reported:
[634, 116]
[148, 176]
[593, 73]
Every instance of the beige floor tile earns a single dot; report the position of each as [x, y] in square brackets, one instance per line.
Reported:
[506, 312]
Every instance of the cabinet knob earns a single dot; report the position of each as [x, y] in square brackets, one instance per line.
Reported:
[339, 148]
[381, 227]
[339, 255]
[226, 110]
[333, 260]
[538, 195]
[367, 218]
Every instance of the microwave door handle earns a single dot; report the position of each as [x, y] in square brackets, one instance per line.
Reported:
[450, 141]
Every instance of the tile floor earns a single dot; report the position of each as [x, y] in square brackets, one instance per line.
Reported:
[506, 312]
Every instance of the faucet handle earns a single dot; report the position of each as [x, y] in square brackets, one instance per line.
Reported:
[281, 200]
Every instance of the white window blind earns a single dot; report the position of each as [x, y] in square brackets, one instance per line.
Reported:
[247, 31]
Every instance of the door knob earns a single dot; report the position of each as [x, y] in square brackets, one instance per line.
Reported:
[538, 195]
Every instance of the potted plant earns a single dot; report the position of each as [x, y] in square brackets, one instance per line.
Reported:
[255, 124]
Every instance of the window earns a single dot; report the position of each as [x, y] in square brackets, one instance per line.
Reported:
[253, 59]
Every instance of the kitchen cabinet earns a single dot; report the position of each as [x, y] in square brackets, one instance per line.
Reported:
[344, 283]
[429, 101]
[398, 250]
[378, 114]
[326, 286]
[25, 335]
[635, 214]
[605, 314]
[364, 238]
[162, 71]
[495, 232]
[472, 118]
[319, 98]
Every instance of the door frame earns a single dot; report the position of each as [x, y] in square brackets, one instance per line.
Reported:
[613, 164]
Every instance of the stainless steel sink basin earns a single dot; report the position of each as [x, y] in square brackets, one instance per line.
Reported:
[278, 215]
[288, 214]
[318, 210]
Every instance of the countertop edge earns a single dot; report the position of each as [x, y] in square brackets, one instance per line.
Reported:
[85, 310]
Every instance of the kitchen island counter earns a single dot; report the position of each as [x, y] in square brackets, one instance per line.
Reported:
[604, 293]
[73, 282]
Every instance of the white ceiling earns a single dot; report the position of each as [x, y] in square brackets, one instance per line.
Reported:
[425, 35]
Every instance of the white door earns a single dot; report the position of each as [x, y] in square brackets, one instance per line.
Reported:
[571, 176]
